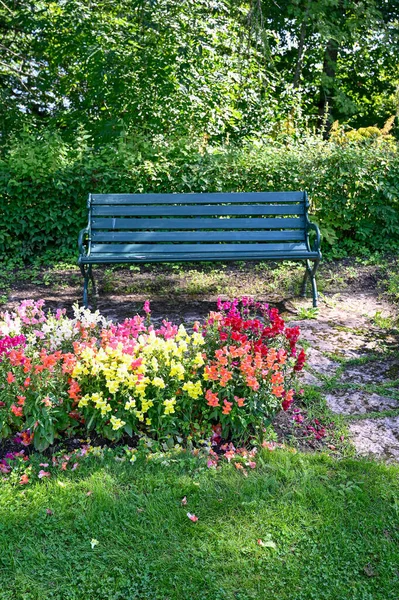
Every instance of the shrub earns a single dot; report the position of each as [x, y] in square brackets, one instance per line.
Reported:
[231, 374]
[44, 183]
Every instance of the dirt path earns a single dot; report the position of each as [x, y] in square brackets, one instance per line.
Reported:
[356, 363]
[353, 350]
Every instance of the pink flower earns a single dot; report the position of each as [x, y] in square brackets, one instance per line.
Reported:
[42, 474]
[252, 464]
[146, 307]
[10, 377]
[192, 518]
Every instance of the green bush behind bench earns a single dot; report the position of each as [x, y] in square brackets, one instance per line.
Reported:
[353, 187]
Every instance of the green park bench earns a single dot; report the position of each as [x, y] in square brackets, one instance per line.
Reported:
[143, 228]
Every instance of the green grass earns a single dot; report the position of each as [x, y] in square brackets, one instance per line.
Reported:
[334, 525]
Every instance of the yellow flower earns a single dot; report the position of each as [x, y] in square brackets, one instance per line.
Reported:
[131, 403]
[177, 369]
[148, 421]
[194, 390]
[169, 406]
[158, 382]
[113, 386]
[197, 339]
[84, 401]
[117, 423]
[198, 360]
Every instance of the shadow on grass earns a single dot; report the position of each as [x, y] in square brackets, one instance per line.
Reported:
[329, 530]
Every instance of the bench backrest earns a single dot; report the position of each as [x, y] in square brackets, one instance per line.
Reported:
[118, 223]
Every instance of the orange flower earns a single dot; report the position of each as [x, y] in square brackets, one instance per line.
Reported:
[21, 400]
[27, 382]
[74, 389]
[212, 372]
[212, 398]
[282, 356]
[227, 407]
[10, 377]
[253, 383]
[17, 410]
[277, 390]
[240, 401]
[277, 378]
[225, 376]
[24, 479]
[289, 396]
[258, 360]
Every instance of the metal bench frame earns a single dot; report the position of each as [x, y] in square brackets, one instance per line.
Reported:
[142, 228]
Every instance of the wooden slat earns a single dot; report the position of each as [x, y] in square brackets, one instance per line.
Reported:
[195, 210]
[196, 224]
[214, 256]
[211, 198]
[193, 248]
[197, 236]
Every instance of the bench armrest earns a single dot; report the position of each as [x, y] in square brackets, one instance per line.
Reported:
[81, 241]
[314, 227]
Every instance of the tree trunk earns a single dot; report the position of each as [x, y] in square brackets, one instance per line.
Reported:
[326, 101]
[301, 51]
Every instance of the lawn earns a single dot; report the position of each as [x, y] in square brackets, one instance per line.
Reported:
[328, 529]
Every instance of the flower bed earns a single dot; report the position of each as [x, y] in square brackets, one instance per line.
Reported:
[226, 378]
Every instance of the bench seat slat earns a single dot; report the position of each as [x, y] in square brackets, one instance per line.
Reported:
[195, 248]
[197, 236]
[211, 198]
[164, 257]
[196, 210]
[195, 224]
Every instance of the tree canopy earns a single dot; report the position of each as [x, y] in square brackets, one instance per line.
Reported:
[196, 67]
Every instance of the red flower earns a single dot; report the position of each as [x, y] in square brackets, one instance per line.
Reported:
[300, 361]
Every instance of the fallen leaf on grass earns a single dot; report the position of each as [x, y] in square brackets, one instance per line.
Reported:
[192, 518]
[184, 501]
[267, 544]
[49, 511]
[94, 543]
[89, 493]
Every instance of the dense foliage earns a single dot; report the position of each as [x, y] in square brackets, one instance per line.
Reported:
[59, 375]
[197, 95]
[353, 185]
[234, 67]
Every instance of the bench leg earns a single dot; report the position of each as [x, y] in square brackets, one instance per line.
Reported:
[94, 285]
[310, 273]
[85, 273]
[304, 283]
[88, 276]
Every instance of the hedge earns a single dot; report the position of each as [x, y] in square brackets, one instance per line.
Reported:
[44, 183]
